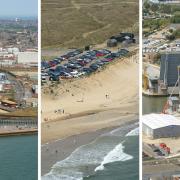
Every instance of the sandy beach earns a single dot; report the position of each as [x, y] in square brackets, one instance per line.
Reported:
[102, 100]
[92, 106]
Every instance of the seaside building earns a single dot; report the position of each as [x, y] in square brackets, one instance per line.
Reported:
[163, 81]
[28, 58]
[160, 126]
[19, 122]
[169, 72]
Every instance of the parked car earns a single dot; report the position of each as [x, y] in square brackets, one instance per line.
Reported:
[123, 52]
[45, 65]
[87, 70]
[105, 61]
[43, 79]
[74, 72]
[99, 62]
[94, 66]
[65, 75]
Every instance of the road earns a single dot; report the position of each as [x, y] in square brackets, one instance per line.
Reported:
[18, 87]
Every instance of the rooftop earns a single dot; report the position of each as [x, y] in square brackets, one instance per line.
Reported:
[156, 121]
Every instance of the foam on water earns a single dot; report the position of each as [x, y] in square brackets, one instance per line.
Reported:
[105, 149]
[134, 132]
[51, 176]
[116, 154]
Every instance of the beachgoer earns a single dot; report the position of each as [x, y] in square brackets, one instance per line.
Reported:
[107, 96]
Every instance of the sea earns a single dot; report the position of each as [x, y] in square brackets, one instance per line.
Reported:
[112, 156]
[19, 157]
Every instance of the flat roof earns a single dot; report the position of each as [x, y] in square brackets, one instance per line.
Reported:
[156, 121]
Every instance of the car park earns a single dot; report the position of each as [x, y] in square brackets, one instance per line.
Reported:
[74, 65]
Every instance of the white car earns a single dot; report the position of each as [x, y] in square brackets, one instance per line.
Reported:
[79, 74]
[74, 72]
[43, 79]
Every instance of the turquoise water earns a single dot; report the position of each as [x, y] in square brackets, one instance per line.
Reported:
[19, 158]
[112, 156]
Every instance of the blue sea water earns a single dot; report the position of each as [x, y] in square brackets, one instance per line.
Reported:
[112, 156]
[19, 157]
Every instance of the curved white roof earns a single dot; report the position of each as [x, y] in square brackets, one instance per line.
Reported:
[156, 121]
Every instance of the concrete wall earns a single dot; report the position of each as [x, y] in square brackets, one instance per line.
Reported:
[169, 131]
[164, 132]
[147, 131]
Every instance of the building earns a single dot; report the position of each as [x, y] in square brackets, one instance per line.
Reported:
[28, 58]
[169, 73]
[19, 122]
[169, 68]
[160, 126]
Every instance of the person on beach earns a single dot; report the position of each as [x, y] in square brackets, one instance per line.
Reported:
[107, 96]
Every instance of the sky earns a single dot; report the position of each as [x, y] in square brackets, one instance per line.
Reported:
[18, 8]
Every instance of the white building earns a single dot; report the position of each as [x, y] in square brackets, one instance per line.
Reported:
[28, 58]
[160, 126]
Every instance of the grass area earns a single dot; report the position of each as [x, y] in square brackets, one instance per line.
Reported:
[76, 23]
[48, 58]
[28, 112]
[151, 25]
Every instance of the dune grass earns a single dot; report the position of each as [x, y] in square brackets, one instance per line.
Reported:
[76, 23]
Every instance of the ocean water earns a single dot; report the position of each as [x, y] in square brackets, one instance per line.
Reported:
[112, 156]
[19, 157]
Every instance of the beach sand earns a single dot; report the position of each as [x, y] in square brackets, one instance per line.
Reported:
[92, 106]
[111, 95]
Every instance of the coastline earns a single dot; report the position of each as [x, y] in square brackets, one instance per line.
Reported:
[18, 132]
[13, 130]
[60, 149]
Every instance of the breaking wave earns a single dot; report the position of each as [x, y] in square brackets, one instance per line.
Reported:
[116, 154]
[92, 157]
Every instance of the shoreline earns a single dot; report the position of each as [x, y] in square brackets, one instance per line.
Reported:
[51, 152]
[18, 133]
